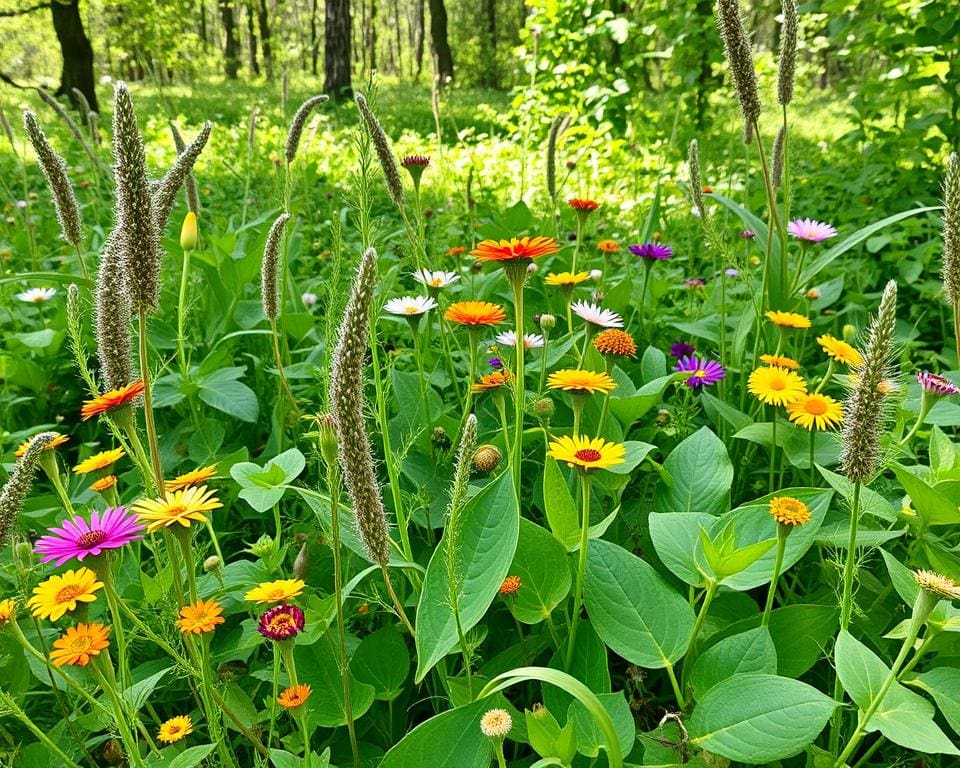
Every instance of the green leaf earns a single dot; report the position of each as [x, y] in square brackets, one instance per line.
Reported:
[750, 651]
[138, 693]
[933, 507]
[903, 717]
[943, 452]
[262, 487]
[561, 510]
[635, 612]
[675, 538]
[757, 718]
[318, 665]
[541, 563]
[192, 756]
[943, 683]
[382, 661]
[630, 407]
[222, 391]
[589, 665]
[693, 489]
[451, 739]
[490, 527]
[589, 737]
[871, 502]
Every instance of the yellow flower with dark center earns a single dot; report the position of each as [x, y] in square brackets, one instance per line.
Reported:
[79, 644]
[183, 507]
[840, 351]
[780, 361]
[566, 279]
[776, 386]
[55, 442]
[175, 728]
[194, 477]
[615, 343]
[581, 382]
[939, 586]
[493, 380]
[788, 319]
[61, 593]
[275, 591]
[99, 461]
[294, 696]
[201, 617]
[8, 609]
[789, 511]
[108, 481]
[815, 411]
[587, 453]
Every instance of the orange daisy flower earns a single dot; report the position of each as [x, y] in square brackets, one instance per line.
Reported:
[57, 441]
[104, 483]
[511, 585]
[615, 343]
[294, 696]
[79, 644]
[493, 380]
[475, 313]
[456, 250]
[515, 249]
[194, 477]
[580, 204]
[609, 246]
[200, 617]
[112, 399]
[780, 361]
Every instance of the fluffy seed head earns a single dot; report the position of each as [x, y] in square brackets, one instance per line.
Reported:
[15, 491]
[388, 161]
[297, 124]
[181, 174]
[737, 48]
[496, 723]
[347, 405]
[937, 585]
[863, 409]
[71, 125]
[112, 316]
[778, 157]
[788, 52]
[55, 172]
[951, 229]
[270, 268]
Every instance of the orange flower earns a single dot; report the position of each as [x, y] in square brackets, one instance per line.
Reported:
[609, 246]
[294, 696]
[579, 204]
[112, 399]
[456, 250]
[511, 585]
[79, 644]
[515, 249]
[493, 380]
[475, 313]
[616, 343]
[103, 483]
[194, 477]
[779, 361]
[201, 617]
[58, 440]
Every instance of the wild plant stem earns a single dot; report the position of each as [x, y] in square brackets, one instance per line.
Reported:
[517, 275]
[777, 565]
[182, 312]
[581, 565]
[148, 405]
[398, 606]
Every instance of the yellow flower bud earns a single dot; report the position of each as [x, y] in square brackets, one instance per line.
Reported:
[188, 232]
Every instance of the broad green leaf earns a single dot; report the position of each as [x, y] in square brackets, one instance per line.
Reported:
[262, 487]
[636, 613]
[902, 579]
[222, 390]
[561, 510]
[541, 563]
[192, 756]
[489, 531]
[589, 738]
[758, 718]
[871, 502]
[903, 717]
[943, 452]
[933, 507]
[943, 683]
[451, 739]
[629, 408]
[750, 651]
[693, 489]
[382, 660]
[675, 536]
[138, 693]
[589, 665]
[318, 665]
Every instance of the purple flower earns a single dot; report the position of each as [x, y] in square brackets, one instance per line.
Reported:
[937, 386]
[810, 230]
[682, 349]
[702, 372]
[78, 538]
[651, 251]
[747, 234]
[281, 622]
[495, 362]
[731, 272]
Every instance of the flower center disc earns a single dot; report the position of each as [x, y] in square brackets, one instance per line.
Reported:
[91, 539]
[816, 406]
[67, 594]
[588, 454]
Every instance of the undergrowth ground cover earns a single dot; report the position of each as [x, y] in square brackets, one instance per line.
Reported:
[394, 432]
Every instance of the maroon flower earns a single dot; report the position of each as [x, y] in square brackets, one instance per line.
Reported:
[281, 622]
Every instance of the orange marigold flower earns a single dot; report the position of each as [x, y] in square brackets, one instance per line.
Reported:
[456, 250]
[789, 511]
[58, 440]
[581, 204]
[175, 728]
[515, 249]
[779, 361]
[609, 246]
[491, 381]
[615, 342]
[475, 313]
[200, 617]
[294, 696]
[104, 483]
[194, 477]
[79, 644]
[112, 399]
[510, 586]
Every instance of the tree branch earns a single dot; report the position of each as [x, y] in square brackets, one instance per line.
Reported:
[22, 11]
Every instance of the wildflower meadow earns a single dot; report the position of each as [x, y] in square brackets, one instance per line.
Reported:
[389, 425]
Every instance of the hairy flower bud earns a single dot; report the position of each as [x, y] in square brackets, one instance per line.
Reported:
[211, 564]
[55, 172]
[388, 161]
[297, 124]
[15, 491]
[270, 268]
[737, 48]
[487, 458]
[788, 52]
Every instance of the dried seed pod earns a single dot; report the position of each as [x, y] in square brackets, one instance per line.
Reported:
[61, 190]
[15, 491]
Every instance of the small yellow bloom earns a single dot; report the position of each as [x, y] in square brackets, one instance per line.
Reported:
[275, 591]
[55, 442]
[566, 279]
[175, 728]
[98, 461]
[61, 593]
[776, 386]
[815, 411]
[788, 319]
[201, 617]
[780, 361]
[194, 477]
[108, 481]
[8, 609]
[581, 382]
[188, 232]
[789, 511]
[840, 351]
[586, 453]
[183, 507]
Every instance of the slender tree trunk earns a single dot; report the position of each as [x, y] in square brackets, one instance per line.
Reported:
[396, 19]
[439, 42]
[252, 38]
[231, 59]
[491, 74]
[371, 36]
[314, 39]
[263, 21]
[202, 13]
[419, 36]
[336, 49]
[77, 71]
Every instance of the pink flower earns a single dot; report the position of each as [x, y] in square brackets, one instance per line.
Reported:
[810, 230]
[281, 622]
[937, 386]
[77, 538]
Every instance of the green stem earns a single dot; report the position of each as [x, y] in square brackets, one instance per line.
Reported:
[581, 565]
[517, 275]
[22, 716]
[782, 533]
[182, 313]
[107, 684]
[148, 405]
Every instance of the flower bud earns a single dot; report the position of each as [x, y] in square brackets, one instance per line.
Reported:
[440, 438]
[544, 408]
[595, 275]
[486, 459]
[849, 333]
[211, 564]
[112, 753]
[328, 440]
[188, 232]
[547, 322]
[23, 556]
[262, 547]
[302, 563]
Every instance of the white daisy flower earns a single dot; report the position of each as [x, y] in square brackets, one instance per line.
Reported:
[37, 295]
[410, 306]
[595, 275]
[309, 299]
[438, 279]
[530, 340]
[604, 318]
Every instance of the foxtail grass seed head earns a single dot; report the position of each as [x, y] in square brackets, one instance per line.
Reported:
[739, 53]
[458, 497]
[388, 161]
[80, 99]
[778, 157]
[347, 406]
[270, 268]
[55, 172]
[189, 182]
[70, 123]
[786, 74]
[112, 317]
[179, 175]
[696, 181]
[138, 241]
[297, 124]
[15, 491]
[252, 128]
[951, 229]
[863, 408]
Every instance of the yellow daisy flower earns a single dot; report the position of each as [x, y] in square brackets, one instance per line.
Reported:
[61, 593]
[586, 453]
[8, 609]
[183, 507]
[840, 351]
[175, 728]
[98, 461]
[200, 617]
[788, 319]
[194, 477]
[780, 361]
[776, 386]
[581, 382]
[566, 279]
[815, 411]
[79, 644]
[275, 591]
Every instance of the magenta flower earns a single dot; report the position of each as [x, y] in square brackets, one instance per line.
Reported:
[682, 349]
[810, 230]
[281, 622]
[935, 385]
[694, 283]
[421, 160]
[747, 234]
[651, 251]
[77, 538]
[702, 372]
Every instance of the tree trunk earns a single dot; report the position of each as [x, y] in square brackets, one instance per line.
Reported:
[371, 36]
[263, 21]
[203, 21]
[439, 42]
[336, 49]
[77, 71]
[314, 40]
[396, 21]
[231, 60]
[491, 75]
[252, 42]
[419, 35]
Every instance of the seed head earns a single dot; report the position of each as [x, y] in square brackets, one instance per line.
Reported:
[270, 268]
[181, 174]
[778, 157]
[55, 172]
[496, 724]
[13, 494]
[297, 124]
[388, 161]
[951, 229]
[557, 127]
[487, 458]
[788, 52]
[737, 48]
